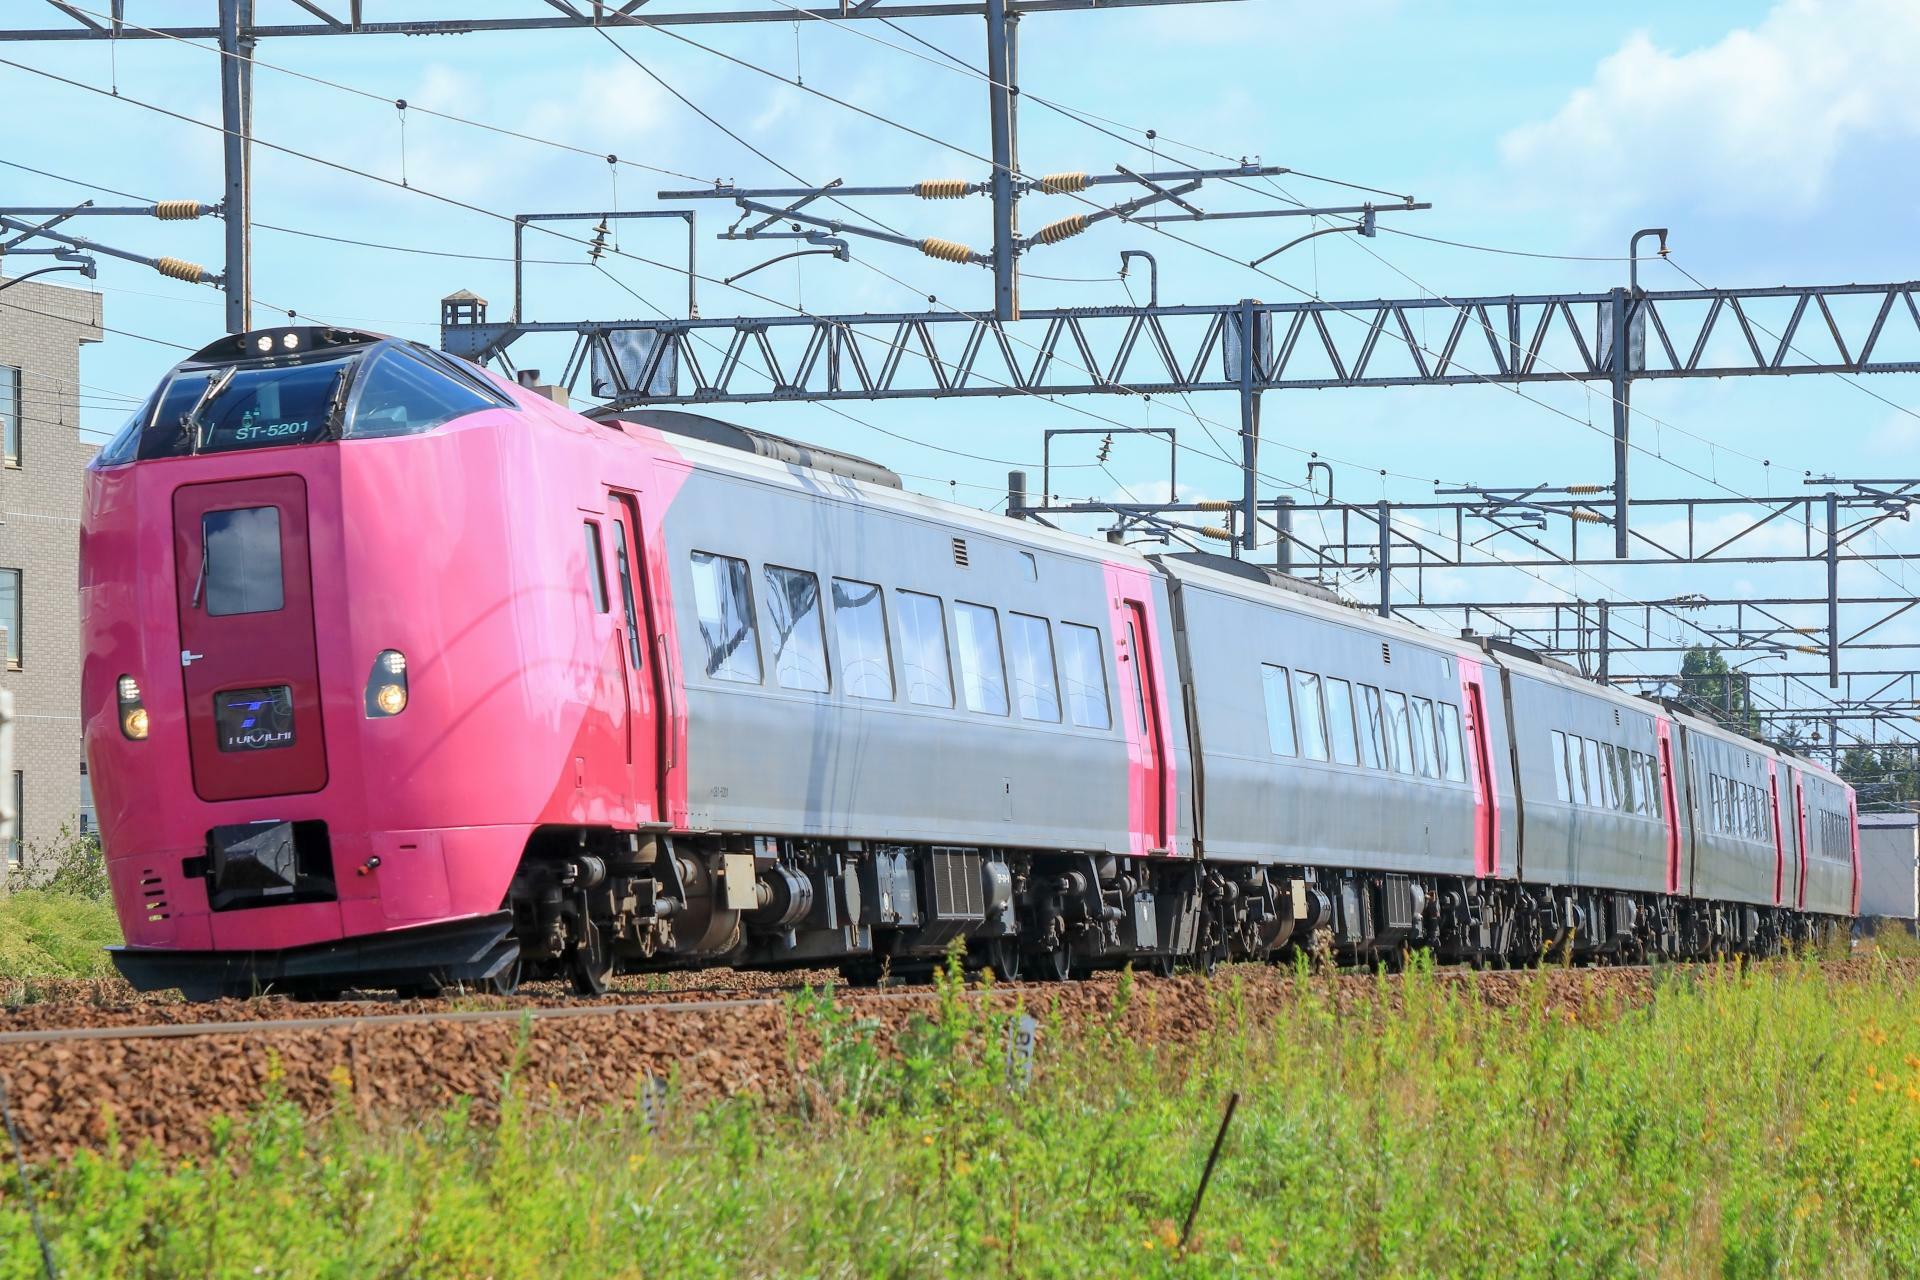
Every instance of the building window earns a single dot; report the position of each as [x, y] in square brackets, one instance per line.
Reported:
[11, 614]
[17, 851]
[10, 413]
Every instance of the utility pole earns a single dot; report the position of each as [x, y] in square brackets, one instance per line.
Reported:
[236, 123]
[1001, 29]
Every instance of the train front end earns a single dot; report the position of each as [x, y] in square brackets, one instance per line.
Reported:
[282, 601]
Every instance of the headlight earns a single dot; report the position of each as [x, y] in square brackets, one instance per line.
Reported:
[133, 713]
[387, 685]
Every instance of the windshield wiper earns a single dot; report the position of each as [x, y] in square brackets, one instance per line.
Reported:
[190, 421]
[337, 403]
[206, 562]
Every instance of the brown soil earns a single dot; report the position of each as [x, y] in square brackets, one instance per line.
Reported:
[68, 1095]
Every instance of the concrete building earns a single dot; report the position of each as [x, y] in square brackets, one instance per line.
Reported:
[1889, 869]
[42, 327]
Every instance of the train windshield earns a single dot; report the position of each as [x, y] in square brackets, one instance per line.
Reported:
[386, 390]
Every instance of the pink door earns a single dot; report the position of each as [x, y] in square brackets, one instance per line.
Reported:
[1779, 835]
[1669, 794]
[1800, 826]
[244, 583]
[1139, 674]
[639, 661]
[1486, 802]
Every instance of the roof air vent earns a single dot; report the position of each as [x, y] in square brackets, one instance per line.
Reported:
[960, 552]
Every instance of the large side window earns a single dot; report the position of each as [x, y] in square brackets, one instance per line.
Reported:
[1083, 667]
[1454, 764]
[1426, 740]
[983, 672]
[1596, 781]
[1279, 700]
[1577, 768]
[1373, 732]
[799, 633]
[860, 629]
[1036, 690]
[1561, 786]
[240, 561]
[923, 649]
[1310, 715]
[1340, 735]
[1399, 733]
[724, 601]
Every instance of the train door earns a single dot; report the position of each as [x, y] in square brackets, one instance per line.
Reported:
[1779, 834]
[1670, 802]
[639, 661]
[1486, 802]
[1800, 828]
[1150, 775]
[244, 586]
[1853, 849]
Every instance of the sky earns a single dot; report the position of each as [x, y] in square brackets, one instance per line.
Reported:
[1777, 142]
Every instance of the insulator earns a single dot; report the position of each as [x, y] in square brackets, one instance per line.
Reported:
[1808, 648]
[1055, 232]
[176, 210]
[1060, 184]
[940, 188]
[1218, 535]
[180, 269]
[1217, 504]
[1585, 516]
[1586, 488]
[946, 250]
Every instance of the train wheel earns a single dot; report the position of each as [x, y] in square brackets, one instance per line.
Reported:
[592, 962]
[1054, 966]
[1004, 958]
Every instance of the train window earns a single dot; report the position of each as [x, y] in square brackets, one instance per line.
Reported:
[983, 671]
[1656, 805]
[1426, 743]
[240, 561]
[1452, 746]
[1030, 566]
[1310, 714]
[923, 649]
[1035, 688]
[402, 396]
[1279, 699]
[1084, 671]
[1373, 734]
[1629, 760]
[1610, 760]
[799, 633]
[860, 630]
[596, 569]
[724, 603]
[1561, 786]
[627, 600]
[1400, 733]
[1340, 734]
[239, 407]
[1577, 768]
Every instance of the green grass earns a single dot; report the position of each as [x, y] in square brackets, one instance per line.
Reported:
[45, 934]
[1758, 1123]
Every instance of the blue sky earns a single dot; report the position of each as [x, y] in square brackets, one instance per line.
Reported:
[1778, 141]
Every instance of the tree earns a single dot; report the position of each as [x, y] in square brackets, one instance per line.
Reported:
[1887, 777]
[1716, 689]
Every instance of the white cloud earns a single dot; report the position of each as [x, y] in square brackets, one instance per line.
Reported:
[1756, 121]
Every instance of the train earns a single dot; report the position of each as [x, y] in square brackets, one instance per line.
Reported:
[402, 675]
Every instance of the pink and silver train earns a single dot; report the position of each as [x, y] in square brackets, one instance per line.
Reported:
[399, 675]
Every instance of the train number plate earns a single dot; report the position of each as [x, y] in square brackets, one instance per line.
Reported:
[254, 719]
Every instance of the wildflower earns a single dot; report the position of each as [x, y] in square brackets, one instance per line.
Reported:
[1147, 1244]
[341, 1076]
[926, 1139]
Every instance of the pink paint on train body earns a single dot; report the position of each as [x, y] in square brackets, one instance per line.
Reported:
[1152, 785]
[1669, 799]
[428, 811]
[1480, 757]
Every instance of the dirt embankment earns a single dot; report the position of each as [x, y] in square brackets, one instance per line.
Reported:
[165, 1090]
